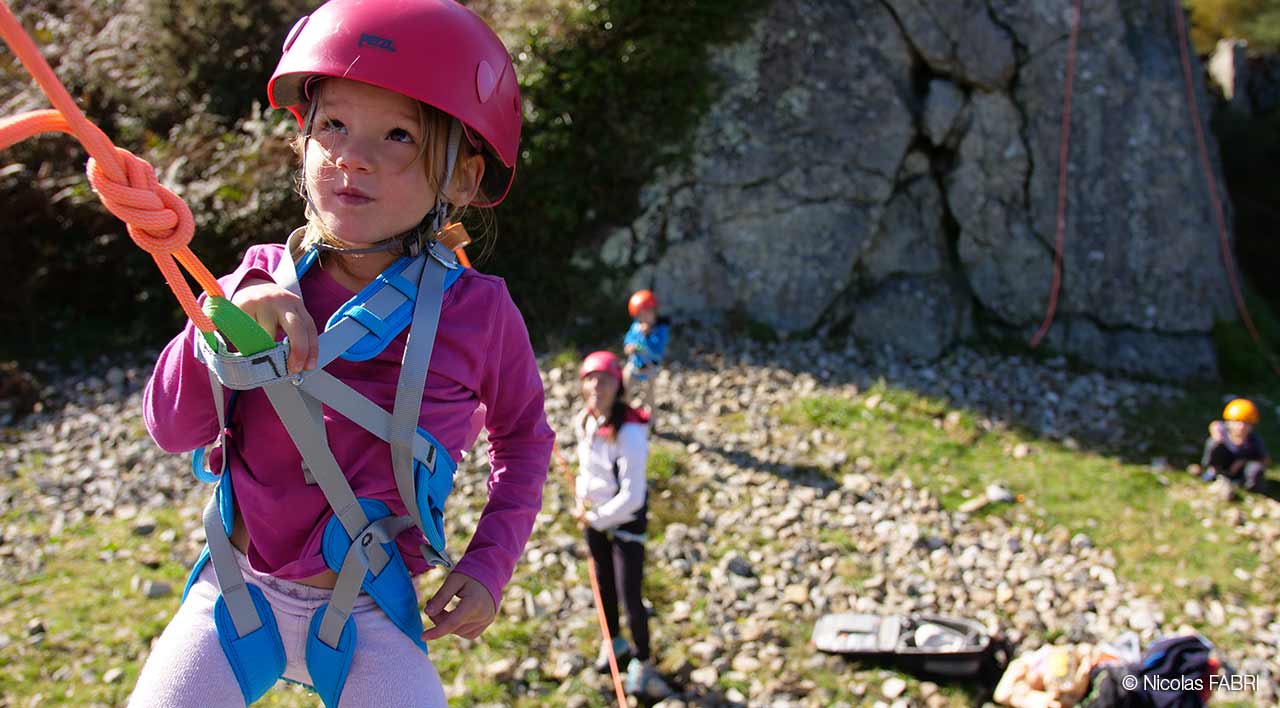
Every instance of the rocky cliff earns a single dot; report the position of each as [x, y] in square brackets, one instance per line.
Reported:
[889, 169]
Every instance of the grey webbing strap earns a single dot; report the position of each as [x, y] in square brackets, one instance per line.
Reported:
[286, 273]
[331, 391]
[218, 404]
[451, 157]
[413, 382]
[220, 407]
[240, 372]
[351, 577]
[317, 419]
[244, 614]
[314, 448]
[346, 332]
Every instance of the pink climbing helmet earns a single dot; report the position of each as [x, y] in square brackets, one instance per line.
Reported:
[601, 361]
[435, 51]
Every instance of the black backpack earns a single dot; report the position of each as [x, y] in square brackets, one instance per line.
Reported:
[1171, 675]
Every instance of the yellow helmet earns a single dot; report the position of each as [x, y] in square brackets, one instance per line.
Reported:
[1241, 409]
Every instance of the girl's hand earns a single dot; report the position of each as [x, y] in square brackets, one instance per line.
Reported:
[580, 514]
[475, 610]
[276, 309]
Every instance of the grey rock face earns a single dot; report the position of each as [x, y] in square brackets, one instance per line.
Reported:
[917, 316]
[801, 155]
[862, 141]
[958, 38]
[941, 108]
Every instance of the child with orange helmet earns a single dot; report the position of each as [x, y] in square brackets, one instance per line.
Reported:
[1234, 450]
[342, 443]
[644, 344]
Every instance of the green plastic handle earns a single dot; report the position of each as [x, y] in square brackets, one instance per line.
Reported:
[238, 328]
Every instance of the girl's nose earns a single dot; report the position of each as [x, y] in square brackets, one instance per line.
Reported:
[353, 158]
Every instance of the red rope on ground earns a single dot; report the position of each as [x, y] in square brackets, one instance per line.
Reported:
[1064, 151]
[595, 590]
[1228, 260]
[159, 221]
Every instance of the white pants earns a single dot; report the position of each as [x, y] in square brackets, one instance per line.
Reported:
[187, 667]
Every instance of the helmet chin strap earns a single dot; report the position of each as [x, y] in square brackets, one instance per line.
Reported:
[415, 240]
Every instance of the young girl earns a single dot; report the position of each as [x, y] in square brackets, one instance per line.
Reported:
[410, 112]
[613, 447]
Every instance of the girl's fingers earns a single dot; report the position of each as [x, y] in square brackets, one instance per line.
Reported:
[445, 624]
[313, 340]
[301, 330]
[450, 587]
[298, 345]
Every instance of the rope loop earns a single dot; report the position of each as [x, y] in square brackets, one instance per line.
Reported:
[159, 221]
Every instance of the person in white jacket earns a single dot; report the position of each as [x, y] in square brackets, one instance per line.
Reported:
[612, 508]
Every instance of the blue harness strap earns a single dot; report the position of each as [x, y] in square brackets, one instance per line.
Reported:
[359, 330]
[381, 330]
[392, 588]
[328, 665]
[257, 658]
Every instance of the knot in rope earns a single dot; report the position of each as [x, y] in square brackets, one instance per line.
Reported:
[158, 220]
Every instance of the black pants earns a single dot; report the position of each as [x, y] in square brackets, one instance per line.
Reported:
[620, 568]
[1228, 464]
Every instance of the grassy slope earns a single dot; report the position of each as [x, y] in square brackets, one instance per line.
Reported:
[94, 622]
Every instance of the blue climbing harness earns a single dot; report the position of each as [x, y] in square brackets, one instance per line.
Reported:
[359, 540]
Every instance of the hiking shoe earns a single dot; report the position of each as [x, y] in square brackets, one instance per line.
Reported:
[622, 651]
[643, 680]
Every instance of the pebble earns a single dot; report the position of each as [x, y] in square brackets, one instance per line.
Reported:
[893, 687]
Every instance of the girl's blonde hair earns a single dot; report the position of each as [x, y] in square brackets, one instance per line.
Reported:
[433, 125]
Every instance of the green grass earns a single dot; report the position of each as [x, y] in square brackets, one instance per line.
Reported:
[1145, 518]
[95, 622]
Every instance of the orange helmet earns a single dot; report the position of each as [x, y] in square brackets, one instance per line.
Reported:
[642, 300]
[1241, 409]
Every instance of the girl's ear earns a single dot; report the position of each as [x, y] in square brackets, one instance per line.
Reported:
[467, 175]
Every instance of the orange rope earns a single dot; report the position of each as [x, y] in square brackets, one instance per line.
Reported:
[1228, 261]
[158, 220]
[1064, 151]
[595, 590]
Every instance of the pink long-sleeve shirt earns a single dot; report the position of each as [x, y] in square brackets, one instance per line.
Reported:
[482, 357]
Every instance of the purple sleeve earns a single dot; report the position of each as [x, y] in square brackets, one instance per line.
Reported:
[177, 405]
[520, 442]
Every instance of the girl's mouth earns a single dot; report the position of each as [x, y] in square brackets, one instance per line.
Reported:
[351, 196]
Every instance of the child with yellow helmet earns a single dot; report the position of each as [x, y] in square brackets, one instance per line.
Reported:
[1234, 450]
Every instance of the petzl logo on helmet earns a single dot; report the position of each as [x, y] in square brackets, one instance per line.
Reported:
[370, 40]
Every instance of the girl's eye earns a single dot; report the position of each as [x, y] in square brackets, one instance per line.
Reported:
[330, 125]
[400, 135]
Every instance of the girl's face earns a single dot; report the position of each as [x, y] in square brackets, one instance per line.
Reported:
[1238, 430]
[598, 391]
[364, 163]
[647, 317]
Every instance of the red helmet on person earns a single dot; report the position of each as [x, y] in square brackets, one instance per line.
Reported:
[435, 51]
[642, 300]
[607, 362]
